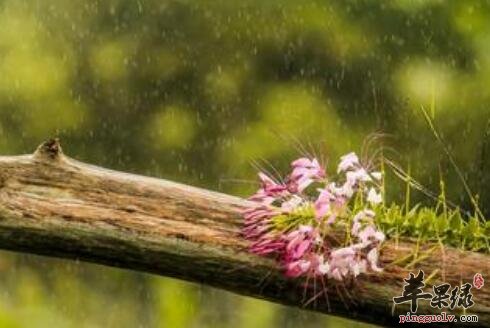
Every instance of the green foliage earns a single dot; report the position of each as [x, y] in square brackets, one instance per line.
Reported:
[427, 224]
[304, 216]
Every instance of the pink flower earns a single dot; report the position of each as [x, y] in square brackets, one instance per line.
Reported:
[347, 162]
[258, 214]
[310, 264]
[301, 247]
[267, 245]
[322, 208]
[343, 252]
[370, 234]
[270, 186]
[269, 191]
[300, 241]
[297, 268]
[262, 197]
[322, 203]
[305, 171]
[258, 230]
[307, 167]
[347, 261]
[319, 267]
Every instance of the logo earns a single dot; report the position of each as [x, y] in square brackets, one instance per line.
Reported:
[441, 296]
[478, 281]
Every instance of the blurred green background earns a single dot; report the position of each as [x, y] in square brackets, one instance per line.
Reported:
[194, 91]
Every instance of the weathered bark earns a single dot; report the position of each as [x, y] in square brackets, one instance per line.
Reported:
[53, 205]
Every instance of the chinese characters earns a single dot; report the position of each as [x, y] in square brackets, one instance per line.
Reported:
[443, 295]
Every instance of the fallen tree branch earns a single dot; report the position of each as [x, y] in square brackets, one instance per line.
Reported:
[53, 205]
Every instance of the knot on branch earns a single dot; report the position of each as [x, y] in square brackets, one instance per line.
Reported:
[50, 149]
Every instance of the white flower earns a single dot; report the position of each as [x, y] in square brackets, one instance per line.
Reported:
[364, 216]
[347, 189]
[336, 274]
[304, 228]
[370, 233]
[358, 267]
[373, 197]
[324, 268]
[372, 258]
[318, 240]
[294, 202]
[358, 175]
[347, 162]
[304, 265]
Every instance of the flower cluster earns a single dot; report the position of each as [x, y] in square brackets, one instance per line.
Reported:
[294, 219]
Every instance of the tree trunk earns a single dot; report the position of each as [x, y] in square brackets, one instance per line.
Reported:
[53, 205]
